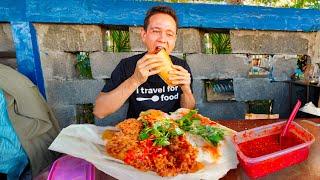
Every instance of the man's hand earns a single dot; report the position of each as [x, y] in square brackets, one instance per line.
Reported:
[148, 65]
[181, 77]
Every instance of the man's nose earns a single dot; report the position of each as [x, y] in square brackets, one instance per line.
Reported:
[163, 37]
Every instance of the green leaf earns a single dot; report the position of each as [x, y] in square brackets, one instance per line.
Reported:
[156, 133]
[144, 134]
[164, 141]
[145, 123]
[193, 125]
[83, 65]
[177, 132]
[215, 138]
[221, 43]
[120, 40]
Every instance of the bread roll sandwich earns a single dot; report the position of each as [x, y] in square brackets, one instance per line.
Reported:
[164, 73]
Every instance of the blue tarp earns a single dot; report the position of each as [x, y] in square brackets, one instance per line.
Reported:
[13, 158]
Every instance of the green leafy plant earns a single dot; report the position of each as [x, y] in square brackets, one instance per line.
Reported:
[312, 4]
[260, 106]
[220, 43]
[83, 65]
[120, 41]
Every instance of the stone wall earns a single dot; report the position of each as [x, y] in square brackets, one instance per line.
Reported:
[7, 50]
[58, 44]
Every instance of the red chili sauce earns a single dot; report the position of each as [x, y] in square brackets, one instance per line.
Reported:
[269, 144]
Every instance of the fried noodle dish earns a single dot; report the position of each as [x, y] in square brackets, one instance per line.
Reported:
[182, 142]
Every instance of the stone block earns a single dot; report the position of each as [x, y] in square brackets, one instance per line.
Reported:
[223, 110]
[243, 41]
[70, 38]
[103, 63]
[188, 41]
[6, 41]
[258, 89]
[271, 42]
[58, 65]
[262, 89]
[252, 89]
[283, 67]
[204, 66]
[65, 114]
[178, 48]
[73, 92]
[136, 43]
[191, 40]
[199, 90]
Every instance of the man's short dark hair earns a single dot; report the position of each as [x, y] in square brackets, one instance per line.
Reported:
[160, 9]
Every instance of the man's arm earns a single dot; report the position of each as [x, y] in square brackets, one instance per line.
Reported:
[108, 103]
[187, 99]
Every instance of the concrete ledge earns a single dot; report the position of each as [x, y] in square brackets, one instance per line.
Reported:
[103, 63]
[73, 92]
[271, 42]
[204, 66]
[70, 37]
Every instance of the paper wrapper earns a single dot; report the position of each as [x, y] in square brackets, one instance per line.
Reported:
[84, 141]
[164, 73]
[310, 108]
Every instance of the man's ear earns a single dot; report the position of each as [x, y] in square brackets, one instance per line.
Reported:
[143, 34]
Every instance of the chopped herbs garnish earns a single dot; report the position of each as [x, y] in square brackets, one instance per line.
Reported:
[162, 130]
[191, 124]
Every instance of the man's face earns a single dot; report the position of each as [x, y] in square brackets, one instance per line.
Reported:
[161, 32]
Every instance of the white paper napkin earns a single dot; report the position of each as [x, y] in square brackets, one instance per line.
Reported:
[84, 141]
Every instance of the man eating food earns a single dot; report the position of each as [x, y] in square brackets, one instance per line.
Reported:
[137, 78]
